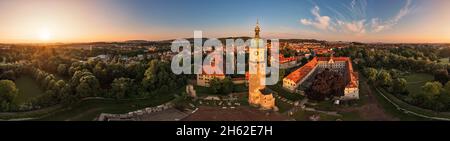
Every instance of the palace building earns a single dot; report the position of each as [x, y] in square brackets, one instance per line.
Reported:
[339, 64]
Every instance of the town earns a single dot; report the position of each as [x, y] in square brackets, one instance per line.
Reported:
[177, 60]
[319, 80]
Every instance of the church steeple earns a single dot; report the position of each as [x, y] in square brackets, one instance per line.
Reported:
[257, 29]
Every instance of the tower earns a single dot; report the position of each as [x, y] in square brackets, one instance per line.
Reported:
[257, 29]
[257, 65]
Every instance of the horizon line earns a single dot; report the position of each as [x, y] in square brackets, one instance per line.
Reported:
[161, 40]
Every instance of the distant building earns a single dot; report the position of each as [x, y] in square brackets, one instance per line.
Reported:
[204, 79]
[288, 62]
[340, 64]
[101, 57]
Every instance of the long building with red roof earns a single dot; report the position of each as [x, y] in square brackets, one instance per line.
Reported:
[342, 64]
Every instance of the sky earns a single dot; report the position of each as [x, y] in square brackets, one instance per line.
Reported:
[411, 21]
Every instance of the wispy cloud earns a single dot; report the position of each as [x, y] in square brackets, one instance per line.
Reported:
[377, 25]
[353, 19]
[320, 22]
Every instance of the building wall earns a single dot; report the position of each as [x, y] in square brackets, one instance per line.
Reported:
[203, 79]
[291, 85]
[350, 94]
[267, 101]
[288, 65]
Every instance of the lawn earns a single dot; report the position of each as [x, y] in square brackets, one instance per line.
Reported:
[28, 89]
[388, 107]
[286, 94]
[416, 81]
[89, 109]
[282, 106]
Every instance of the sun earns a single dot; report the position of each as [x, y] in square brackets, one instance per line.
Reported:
[44, 34]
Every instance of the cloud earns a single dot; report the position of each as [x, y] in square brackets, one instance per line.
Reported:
[353, 26]
[354, 21]
[320, 22]
[377, 25]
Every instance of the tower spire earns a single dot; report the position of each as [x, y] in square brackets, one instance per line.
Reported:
[257, 29]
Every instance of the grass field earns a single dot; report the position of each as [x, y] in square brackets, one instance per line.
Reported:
[282, 106]
[283, 93]
[416, 81]
[28, 88]
[90, 109]
[388, 107]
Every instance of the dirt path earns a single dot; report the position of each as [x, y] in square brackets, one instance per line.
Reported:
[371, 110]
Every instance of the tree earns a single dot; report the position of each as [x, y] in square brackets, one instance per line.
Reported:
[384, 78]
[89, 86]
[75, 80]
[67, 95]
[304, 60]
[441, 75]
[371, 74]
[122, 87]
[62, 69]
[326, 84]
[8, 94]
[447, 87]
[159, 74]
[215, 85]
[10, 75]
[227, 85]
[399, 85]
[101, 73]
[432, 89]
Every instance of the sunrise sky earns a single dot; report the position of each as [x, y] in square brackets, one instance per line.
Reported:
[120, 20]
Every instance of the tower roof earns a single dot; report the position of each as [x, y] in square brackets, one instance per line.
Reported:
[257, 29]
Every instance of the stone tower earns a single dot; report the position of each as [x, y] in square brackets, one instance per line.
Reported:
[257, 65]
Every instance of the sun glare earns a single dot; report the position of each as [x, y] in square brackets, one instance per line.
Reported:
[44, 35]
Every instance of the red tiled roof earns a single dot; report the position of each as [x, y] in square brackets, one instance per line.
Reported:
[334, 58]
[285, 60]
[301, 73]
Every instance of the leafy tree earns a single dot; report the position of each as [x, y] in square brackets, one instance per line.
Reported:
[122, 87]
[384, 78]
[215, 85]
[432, 89]
[89, 86]
[75, 80]
[304, 60]
[227, 85]
[10, 75]
[62, 69]
[67, 95]
[399, 85]
[447, 87]
[159, 74]
[441, 75]
[371, 74]
[8, 94]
